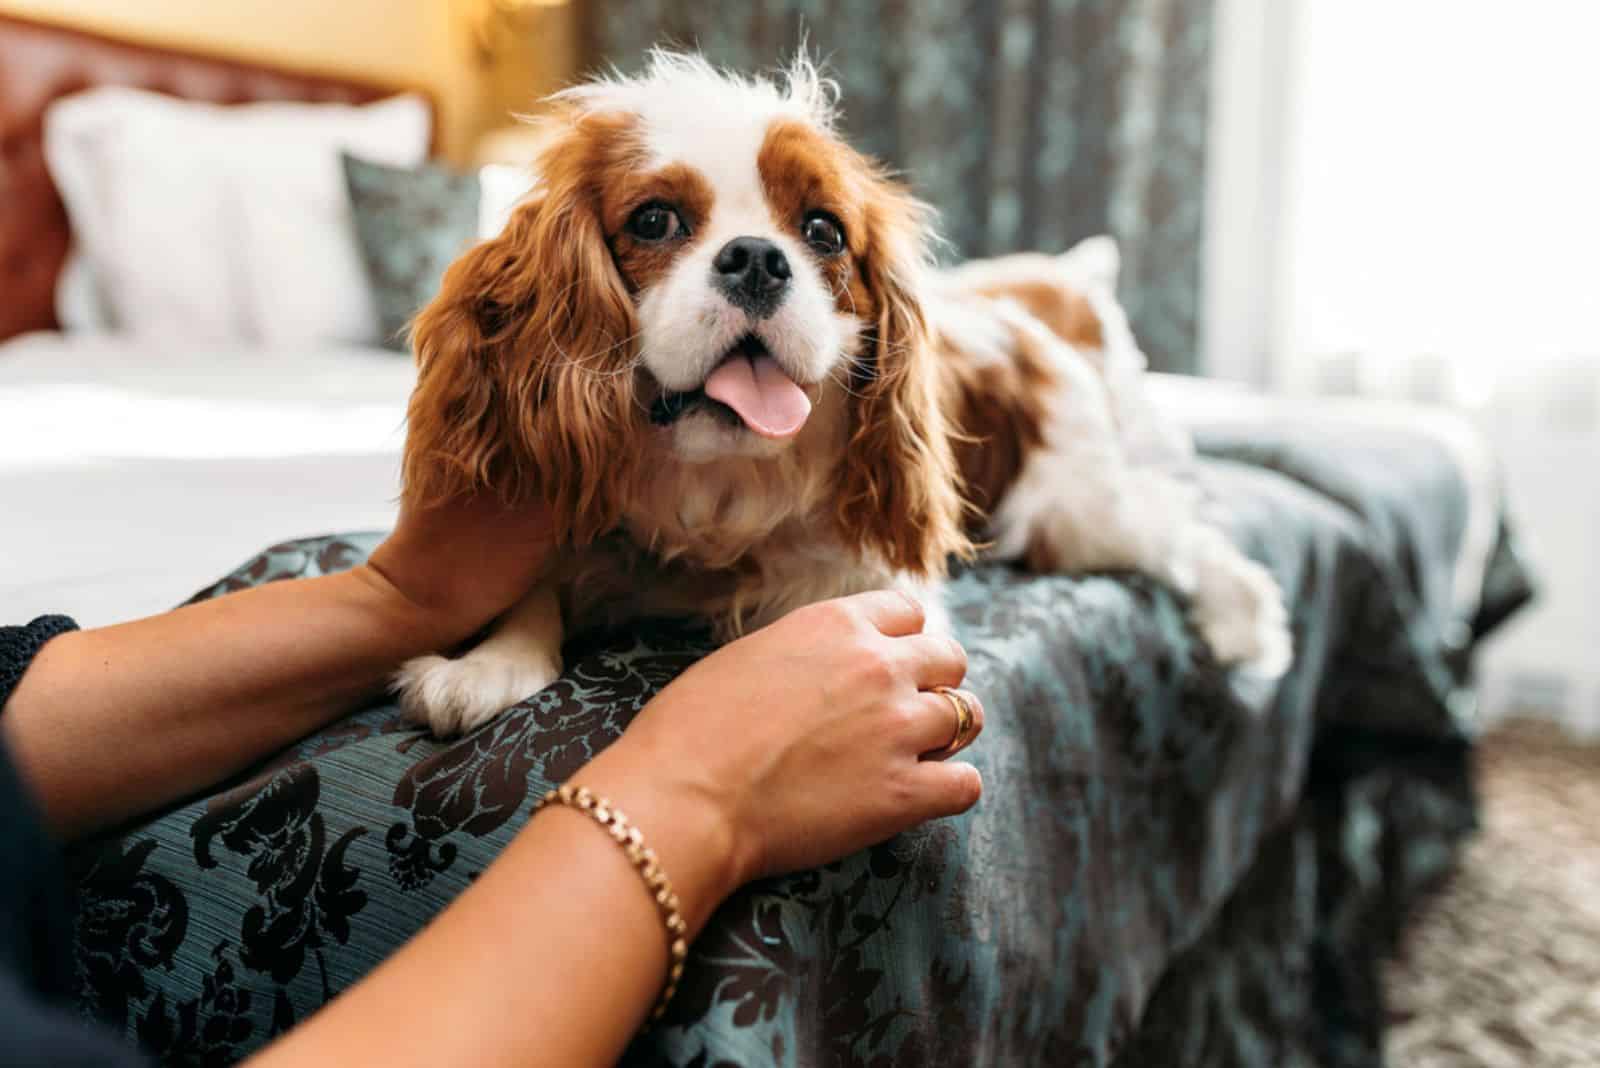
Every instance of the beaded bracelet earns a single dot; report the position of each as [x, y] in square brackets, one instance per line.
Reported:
[644, 859]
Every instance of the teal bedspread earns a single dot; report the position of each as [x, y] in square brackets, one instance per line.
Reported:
[1159, 869]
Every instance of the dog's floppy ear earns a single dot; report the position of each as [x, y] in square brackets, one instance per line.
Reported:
[523, 387]
[900, 493]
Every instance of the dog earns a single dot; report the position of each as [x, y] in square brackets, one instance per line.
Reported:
[712, 342]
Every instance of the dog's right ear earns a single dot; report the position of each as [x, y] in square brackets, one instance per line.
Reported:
[899, 483]
[523, 387]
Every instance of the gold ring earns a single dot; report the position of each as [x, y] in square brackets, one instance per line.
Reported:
[964, 719]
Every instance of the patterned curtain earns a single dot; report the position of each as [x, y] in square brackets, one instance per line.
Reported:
[1029, 123]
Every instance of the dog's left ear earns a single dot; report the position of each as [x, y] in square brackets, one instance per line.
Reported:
[901, 487]
[523, 357]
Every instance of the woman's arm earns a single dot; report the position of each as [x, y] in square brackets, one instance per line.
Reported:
[554, 955]
[788, 748]
[112, 722]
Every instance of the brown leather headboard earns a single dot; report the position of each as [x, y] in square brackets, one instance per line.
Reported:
[39, 63]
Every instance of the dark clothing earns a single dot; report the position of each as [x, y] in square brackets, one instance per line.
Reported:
[19, 645]
[38, 1025]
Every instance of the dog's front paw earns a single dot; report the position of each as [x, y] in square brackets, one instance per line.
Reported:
[1238, 608]
[454, 696]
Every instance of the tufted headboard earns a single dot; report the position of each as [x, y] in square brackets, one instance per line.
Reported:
[40, 62]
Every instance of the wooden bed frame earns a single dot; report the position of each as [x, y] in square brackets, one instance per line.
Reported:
[41, 62]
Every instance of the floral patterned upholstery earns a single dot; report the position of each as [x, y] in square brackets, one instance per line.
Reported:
[1167, 867]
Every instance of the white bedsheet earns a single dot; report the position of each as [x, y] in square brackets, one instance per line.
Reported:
[133, 473]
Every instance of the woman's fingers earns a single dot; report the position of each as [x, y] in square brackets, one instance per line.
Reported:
[847, 693]
[948, 788]
[933, 659]
[939, 725]
[894, 613]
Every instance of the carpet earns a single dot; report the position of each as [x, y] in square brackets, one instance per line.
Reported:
[1501, 968]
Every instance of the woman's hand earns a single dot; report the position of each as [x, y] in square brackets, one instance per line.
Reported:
[803, 739]
[464, 562]
[788, 748]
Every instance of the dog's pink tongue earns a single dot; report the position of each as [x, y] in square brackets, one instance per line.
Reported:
[766, 399]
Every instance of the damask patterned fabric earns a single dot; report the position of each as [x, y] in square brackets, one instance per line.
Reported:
[411, 223]
[1029, 124]
[1161, 853]
[1287, 974]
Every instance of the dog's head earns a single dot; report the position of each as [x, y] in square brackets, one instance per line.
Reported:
[702, 262]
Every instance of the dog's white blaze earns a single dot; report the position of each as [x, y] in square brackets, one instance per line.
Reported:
[716, 123]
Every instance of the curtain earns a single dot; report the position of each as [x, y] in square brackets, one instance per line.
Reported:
[1029, 124]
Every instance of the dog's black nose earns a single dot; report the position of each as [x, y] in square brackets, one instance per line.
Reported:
[753, 274]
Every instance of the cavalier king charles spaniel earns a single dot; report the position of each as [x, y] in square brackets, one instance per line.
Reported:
[712, 342]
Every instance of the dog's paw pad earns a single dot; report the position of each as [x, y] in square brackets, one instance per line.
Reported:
[454, 696]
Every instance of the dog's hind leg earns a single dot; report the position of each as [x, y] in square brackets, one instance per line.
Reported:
[1079, 505]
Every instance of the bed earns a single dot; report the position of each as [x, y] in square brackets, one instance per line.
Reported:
[193, 454]
[1169, 867]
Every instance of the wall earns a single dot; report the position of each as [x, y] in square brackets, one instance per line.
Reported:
[422, 43]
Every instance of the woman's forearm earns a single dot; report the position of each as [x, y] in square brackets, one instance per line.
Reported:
[112, 722]
[555, 955]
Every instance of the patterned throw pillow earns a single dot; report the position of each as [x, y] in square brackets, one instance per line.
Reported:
[410, 224]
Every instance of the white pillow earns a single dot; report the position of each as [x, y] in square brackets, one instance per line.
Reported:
[501, 187]
[80, 306]
[149, 292]
[305, 280]
[201, 221]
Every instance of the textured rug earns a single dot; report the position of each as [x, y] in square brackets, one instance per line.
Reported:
[1502, 967]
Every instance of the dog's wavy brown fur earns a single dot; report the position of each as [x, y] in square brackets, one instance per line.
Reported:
[525, 363]
[524, 355]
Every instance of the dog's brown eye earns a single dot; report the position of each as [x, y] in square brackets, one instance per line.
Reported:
[823, 233]
[656, 222]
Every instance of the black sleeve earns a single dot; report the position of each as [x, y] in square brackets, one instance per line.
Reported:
[19, 645]
[37, 1028]
[34, 1034]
